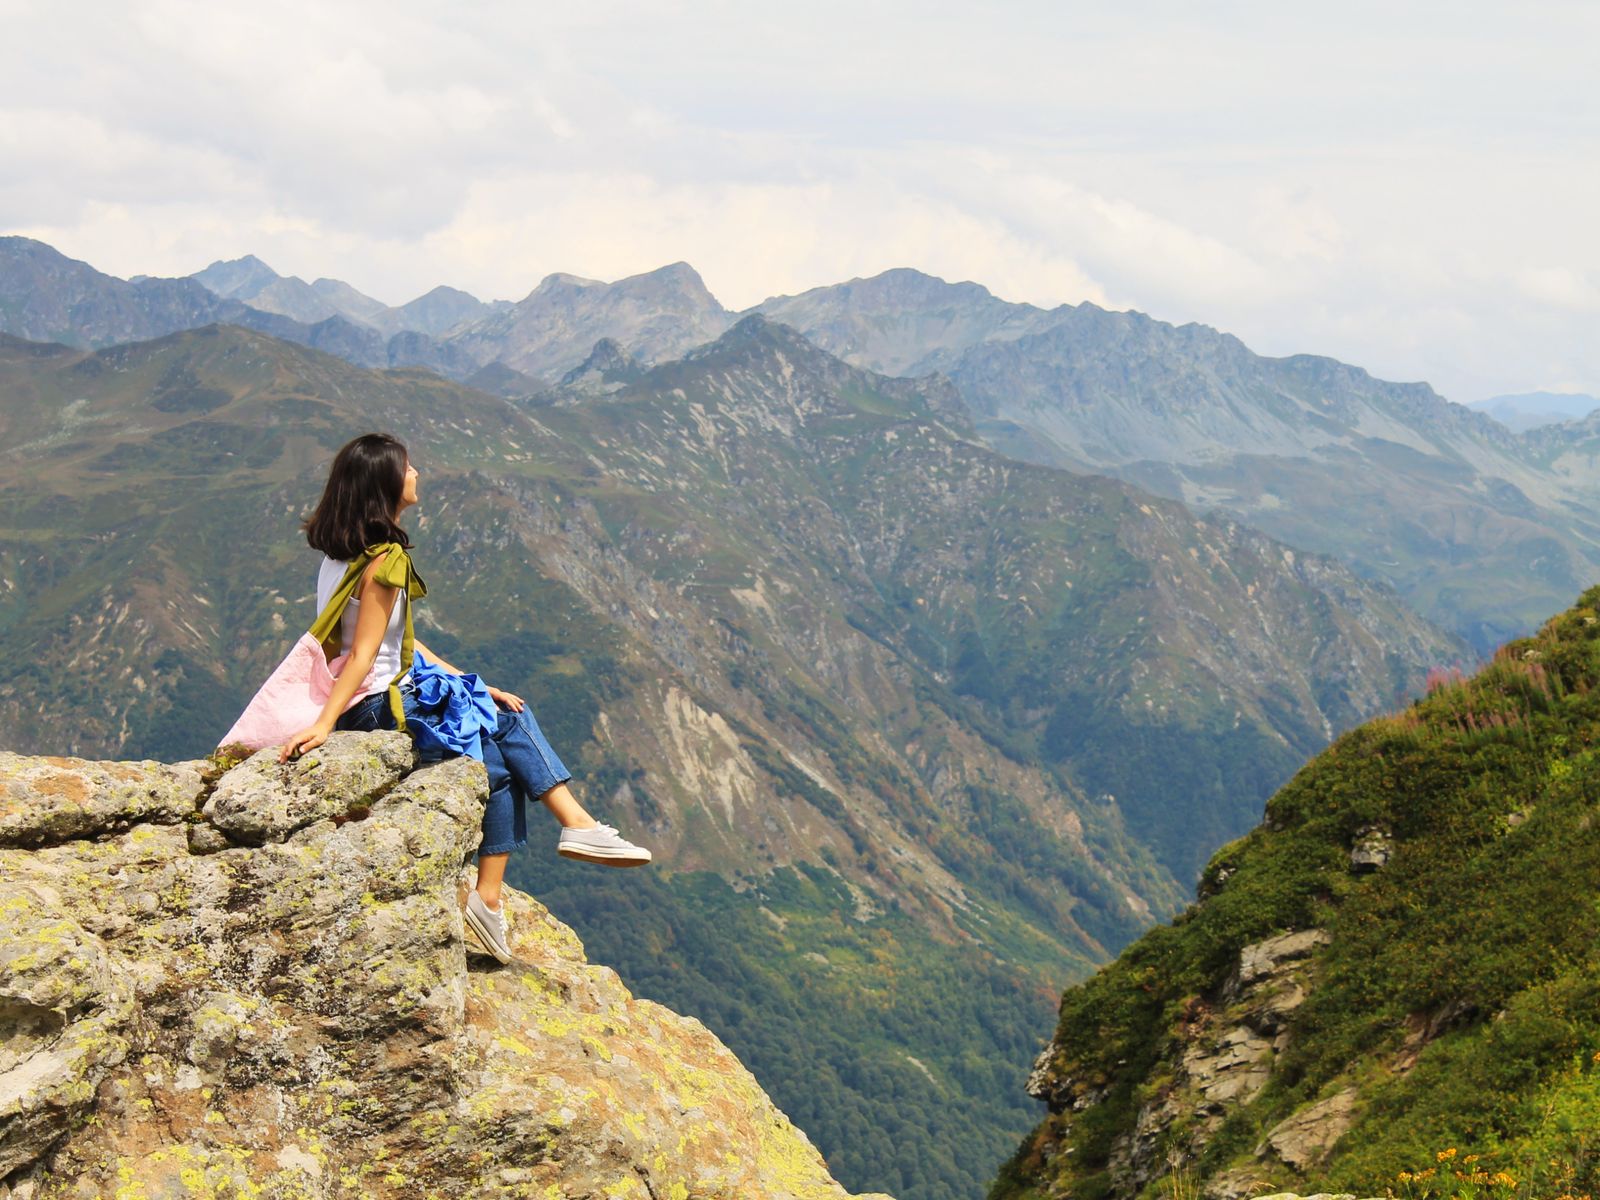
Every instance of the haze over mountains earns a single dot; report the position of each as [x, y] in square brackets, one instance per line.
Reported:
[1469, 522]
[925, 718]
[1482, 530]
[1534, 410]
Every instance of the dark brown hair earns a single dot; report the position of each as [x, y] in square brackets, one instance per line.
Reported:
[361, 499]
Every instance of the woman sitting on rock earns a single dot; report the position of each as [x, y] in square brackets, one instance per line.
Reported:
[370, 484]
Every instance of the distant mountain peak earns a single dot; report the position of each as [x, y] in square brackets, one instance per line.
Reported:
[14, 244]
[561, 281]
[607, 368]
[247, 260]
[677, 272]
[674, 283]
[445, 292]
[236, 278]
[909, 280]
[677, 279]
[757, 329]
[1523, 411]
[896, 288]
[655, 316]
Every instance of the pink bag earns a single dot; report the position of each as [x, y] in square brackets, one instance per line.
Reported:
[294, 694]
[292, 697]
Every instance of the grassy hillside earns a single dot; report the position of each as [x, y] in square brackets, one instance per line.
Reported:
[1444, 1034]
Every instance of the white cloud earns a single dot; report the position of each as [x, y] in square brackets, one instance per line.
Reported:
[1560, 287]
[1410, 193]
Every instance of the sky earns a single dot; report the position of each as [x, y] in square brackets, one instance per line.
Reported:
[1413, 188]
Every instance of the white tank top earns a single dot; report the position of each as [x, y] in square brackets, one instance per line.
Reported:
[388, 661]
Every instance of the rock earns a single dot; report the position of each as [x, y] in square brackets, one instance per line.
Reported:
[63, 1006]
[1240, 1183]
[1304, 1139]
[45, 800]
[1373, 846]
[1042, 1083]
[1263, 959]
[302, 1016]
[1228, 1043]
[1059, 1092]
[1231, 1069]
[263, 800]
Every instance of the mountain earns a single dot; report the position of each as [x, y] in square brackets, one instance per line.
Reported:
[1531, 410]
[1442, 503]
[1571, 452]
[1395, 978]
[256, 982]
[47, 297]
[609, 368]
[356, 305]
[441, 310]
[657, 316]
[235, 278]
[250, 280]
[500, 380]
[904, 322]
[918, 732]
[1477, 529]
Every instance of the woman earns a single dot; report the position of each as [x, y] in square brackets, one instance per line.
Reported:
[370, 484]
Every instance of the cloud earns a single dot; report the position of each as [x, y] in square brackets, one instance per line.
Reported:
[1412, 197]
[1560, 287]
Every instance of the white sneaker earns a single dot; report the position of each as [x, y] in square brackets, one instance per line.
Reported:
[489, 925]
[602, 845]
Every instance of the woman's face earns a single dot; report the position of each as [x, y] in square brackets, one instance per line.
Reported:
[408, 491]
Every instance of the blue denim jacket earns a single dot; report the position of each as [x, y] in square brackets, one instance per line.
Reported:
[453, 712]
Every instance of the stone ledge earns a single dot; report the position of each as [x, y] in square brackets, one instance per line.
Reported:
[302, 1015]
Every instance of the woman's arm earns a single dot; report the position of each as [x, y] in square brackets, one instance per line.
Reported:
[377, 605]
[434, 658]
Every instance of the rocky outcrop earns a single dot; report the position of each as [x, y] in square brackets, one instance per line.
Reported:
[1223, 1057]
[1304, 1139]
[1373, 846]
[258, 985]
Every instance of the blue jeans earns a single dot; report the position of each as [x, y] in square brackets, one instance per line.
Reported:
[519, 760]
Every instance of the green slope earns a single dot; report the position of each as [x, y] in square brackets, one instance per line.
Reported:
[1454, 1006]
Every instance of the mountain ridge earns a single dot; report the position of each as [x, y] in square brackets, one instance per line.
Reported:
[811, 641]
[252, 281]
[1466, 519]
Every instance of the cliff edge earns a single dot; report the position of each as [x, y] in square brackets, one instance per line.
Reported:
[1390, 987]
[255, 983]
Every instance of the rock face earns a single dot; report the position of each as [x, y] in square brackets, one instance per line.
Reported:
[1304, 1139]
[1222, 1059]
[258, 985]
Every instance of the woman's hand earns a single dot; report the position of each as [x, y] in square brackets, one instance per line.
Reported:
[505, 699]
[306, 739]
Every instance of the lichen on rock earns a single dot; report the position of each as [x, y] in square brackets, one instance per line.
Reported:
[265, 991]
